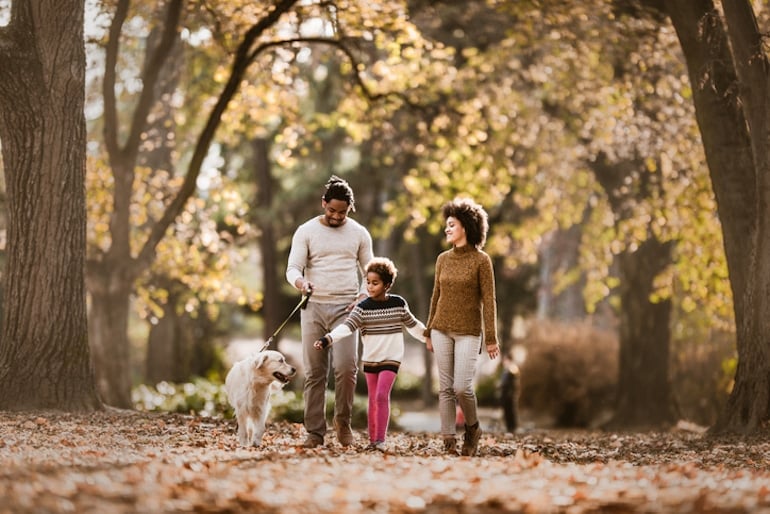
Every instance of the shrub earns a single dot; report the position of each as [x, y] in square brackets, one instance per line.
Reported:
[702, 371]
[569, 374]
[487, 393]
[408, 386]
[203, 397]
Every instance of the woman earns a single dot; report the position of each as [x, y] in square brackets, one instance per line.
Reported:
[463, 314]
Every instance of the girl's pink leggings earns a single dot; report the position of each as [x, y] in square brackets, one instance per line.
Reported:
[379, 386]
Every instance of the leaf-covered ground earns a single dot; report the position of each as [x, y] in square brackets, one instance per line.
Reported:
[114, 462]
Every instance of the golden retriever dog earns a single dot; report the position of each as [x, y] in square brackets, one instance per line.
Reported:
[249, 384]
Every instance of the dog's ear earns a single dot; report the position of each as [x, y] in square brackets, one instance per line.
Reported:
[260, 359]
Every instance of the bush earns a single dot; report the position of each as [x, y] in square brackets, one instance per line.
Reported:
[702, 371]
[408, 386]
[288, 406]
[203, 397]
[487, 393]
[569, 374]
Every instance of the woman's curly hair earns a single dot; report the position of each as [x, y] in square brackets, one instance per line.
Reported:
[472, 217]
[385, 268]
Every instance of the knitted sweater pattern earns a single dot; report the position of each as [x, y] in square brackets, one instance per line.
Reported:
[381, 324]
[463, 300]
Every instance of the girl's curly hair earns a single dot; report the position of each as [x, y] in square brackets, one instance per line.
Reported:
[385, 268]
[472, 217]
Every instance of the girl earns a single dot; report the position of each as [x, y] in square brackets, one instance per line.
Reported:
[381, 319]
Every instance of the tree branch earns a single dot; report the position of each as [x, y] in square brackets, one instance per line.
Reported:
[240, 65]
[151, 74]
[750, 61]
[108, 83]
[340, 45]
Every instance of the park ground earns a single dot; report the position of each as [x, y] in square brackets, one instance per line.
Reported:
[127, 461]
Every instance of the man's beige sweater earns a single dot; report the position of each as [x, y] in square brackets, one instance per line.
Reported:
[332, 258]
[464, 294]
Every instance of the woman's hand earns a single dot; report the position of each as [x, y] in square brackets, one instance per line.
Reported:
[428, 344]
[493, 350]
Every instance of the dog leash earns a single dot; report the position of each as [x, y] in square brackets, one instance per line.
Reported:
[301, 305]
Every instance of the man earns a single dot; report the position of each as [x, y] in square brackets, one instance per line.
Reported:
[327, 258]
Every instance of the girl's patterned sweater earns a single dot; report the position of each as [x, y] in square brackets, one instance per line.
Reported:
[381, 324]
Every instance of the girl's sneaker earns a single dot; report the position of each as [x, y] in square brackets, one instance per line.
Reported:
[378, 446]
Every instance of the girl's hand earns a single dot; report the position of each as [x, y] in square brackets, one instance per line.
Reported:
[322, 343]
[493, 350]
[428, 344]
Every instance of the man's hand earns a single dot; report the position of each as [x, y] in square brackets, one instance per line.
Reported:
[304, 286]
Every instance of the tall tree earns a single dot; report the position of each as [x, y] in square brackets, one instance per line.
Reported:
[112, 275]
[44, 353]
[644, 395]
[729, 72]
[278, 25]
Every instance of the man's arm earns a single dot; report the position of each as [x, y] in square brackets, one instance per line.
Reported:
[295, 269]
[365, 254]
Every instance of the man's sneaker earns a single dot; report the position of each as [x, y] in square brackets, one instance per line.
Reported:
[450, 445]
[313, 441]
[471, 440]
[344, 433]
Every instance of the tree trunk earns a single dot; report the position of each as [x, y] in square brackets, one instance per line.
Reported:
[644, 397]
[163, 360]
[179, 346]
[559, 256]
[748, 408]
[272, 306]
[44, 355]
[737, 174]
[110, 344]
[723, 129]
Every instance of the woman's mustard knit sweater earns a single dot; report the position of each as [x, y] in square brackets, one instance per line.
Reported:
[464, 294]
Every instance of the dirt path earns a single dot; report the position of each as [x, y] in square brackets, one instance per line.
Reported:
[115, 462]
